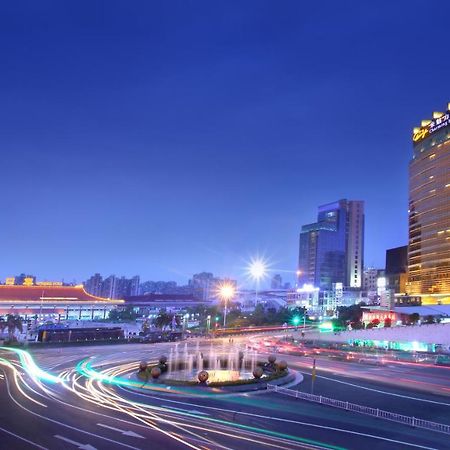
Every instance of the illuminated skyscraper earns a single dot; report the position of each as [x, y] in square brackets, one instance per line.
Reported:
[429, 211]
[332, 249]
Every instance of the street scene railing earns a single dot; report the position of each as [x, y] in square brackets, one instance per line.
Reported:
[360, 409]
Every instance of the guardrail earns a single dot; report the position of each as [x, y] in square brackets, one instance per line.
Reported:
[374, 412]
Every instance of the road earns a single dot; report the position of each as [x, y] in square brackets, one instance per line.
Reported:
[59, 399]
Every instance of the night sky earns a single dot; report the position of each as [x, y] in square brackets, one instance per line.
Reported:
[167, 138]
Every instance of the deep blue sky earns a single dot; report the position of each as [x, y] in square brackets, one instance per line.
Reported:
[166, 138]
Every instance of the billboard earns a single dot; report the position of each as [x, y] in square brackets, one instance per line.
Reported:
[434, 125]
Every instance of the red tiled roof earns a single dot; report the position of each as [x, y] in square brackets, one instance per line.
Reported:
[50, 293]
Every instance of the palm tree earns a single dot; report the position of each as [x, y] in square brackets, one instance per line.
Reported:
[2, 324]
[162, 320]
[13, 323]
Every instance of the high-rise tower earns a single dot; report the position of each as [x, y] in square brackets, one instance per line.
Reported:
[332, 249]
[429, 211]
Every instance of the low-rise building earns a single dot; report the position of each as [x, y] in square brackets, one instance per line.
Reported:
[153, 303]
[53, 302]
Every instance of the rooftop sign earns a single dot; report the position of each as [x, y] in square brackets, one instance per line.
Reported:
[439, 121]
[49, 283]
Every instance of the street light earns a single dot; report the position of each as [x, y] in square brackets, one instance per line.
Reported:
[257, 270]
[226, 292]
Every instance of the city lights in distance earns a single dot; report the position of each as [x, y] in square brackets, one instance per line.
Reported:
[308, 288]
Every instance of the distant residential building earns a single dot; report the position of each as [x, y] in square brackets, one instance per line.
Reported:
[160, 287]
[205, 285]
[112, 287]
[429, 212]
[277, 282]
[332, 249]
[135, 285]
[109, 287]
[94, 285]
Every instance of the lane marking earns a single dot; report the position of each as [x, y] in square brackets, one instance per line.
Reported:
[379, 391]
[64, 424]
[23, 439]
[192, 411]
[280, 419]
[77, 444]
[126, 433]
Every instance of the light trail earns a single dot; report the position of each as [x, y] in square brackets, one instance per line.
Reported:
[97, 393]
[95, 382]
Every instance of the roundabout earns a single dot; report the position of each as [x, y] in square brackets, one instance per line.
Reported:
[93, 396]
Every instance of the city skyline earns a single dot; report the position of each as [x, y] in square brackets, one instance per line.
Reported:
[257, 120]
[225, 225]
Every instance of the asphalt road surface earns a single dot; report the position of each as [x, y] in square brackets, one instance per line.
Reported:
[89, 398]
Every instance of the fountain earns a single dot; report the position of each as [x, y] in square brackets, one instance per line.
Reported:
[219, 366]
[223, 364]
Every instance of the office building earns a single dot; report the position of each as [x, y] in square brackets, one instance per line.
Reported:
[429, 211]
[396, 270]
[370, 283]
[370, 277]
[332, 249]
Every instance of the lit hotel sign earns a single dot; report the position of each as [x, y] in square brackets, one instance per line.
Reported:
[434, 125]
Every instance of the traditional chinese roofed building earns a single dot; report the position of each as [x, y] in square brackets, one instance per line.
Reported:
[54, 302]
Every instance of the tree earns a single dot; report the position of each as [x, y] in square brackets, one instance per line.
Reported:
[413, 318]
[375, 322]
[387, 322]
[163, 320]
[429, 320]
[259, 316]
[349, 314]
[357, 325]
[13, 323]
[145, 327]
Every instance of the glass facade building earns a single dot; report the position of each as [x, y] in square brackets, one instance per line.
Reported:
[429, 211]
[332, 249]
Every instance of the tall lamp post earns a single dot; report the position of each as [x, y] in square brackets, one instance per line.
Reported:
[226, 293]
[258, 271]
